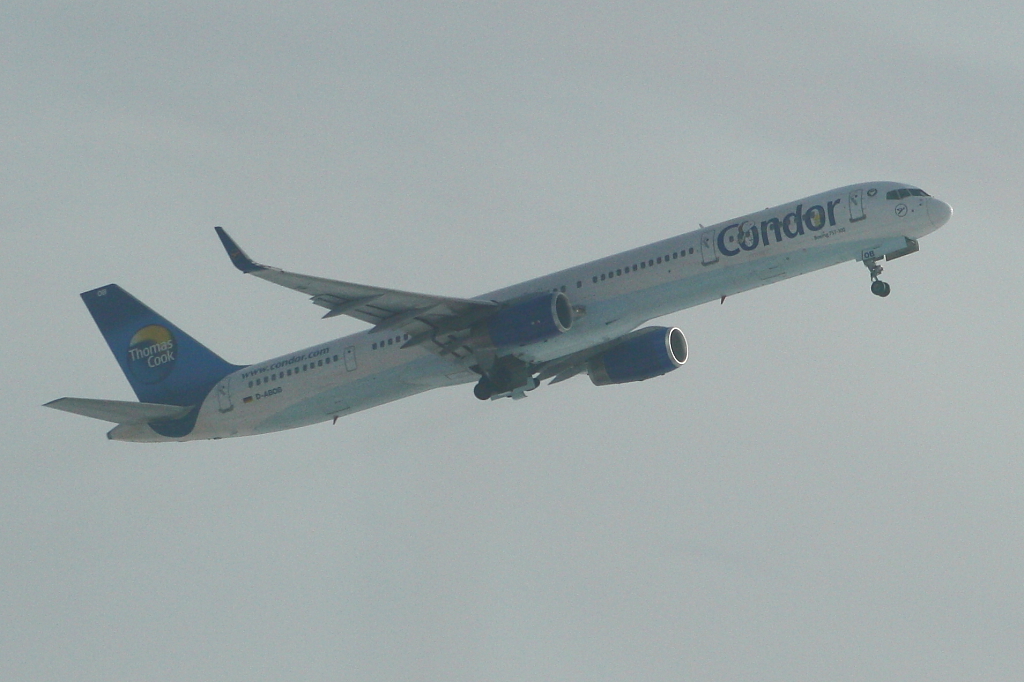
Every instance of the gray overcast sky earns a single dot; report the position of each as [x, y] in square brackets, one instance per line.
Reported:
[830, 489]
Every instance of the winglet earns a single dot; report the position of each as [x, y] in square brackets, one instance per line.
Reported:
[235, 253]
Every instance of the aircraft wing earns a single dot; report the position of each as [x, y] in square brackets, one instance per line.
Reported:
[119, 411]
[422, 316]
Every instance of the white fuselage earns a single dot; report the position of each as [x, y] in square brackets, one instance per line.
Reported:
[611, 296]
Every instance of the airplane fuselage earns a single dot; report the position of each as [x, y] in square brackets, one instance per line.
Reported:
[610, 297]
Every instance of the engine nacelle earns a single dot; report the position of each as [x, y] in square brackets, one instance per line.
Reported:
[653, 352]
[530, 321]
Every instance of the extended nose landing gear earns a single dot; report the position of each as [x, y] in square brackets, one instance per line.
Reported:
[878, 287]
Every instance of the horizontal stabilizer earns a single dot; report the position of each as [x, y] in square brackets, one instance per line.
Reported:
[119, 411]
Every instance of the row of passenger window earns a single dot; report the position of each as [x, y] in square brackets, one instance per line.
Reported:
[390, 342]
[904, 193]
[619, 272]
[276, 376]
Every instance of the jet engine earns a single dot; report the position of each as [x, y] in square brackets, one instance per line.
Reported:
[651, 353]
[535, 319]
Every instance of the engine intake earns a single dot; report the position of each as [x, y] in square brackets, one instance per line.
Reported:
[651, 353]
[535, 319]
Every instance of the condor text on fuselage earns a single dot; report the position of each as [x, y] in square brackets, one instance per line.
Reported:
[588, 319]
[748, 237]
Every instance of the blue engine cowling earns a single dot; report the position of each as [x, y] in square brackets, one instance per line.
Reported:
[530, 321]
[651, 353]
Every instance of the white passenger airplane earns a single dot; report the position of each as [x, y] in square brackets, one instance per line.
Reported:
[580, 320]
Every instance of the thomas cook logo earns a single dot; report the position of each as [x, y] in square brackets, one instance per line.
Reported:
[151, 354]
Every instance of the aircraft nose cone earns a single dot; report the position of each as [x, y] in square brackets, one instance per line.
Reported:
[939, 212]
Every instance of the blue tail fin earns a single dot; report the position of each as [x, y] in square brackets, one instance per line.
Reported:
[163, 364]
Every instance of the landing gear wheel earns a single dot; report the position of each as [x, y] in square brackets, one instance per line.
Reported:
[484, 389]
[878, 287]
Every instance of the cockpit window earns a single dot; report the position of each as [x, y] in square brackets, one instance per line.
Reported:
[904, 193]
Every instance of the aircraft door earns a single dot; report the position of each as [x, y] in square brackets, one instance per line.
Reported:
[224, 403]
[857, 205]
[708, 254]
[350, 358]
